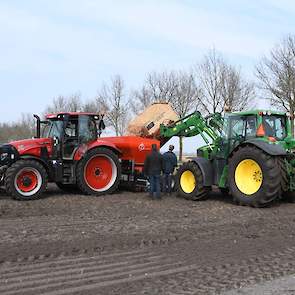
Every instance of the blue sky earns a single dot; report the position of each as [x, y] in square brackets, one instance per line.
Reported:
[59, 47]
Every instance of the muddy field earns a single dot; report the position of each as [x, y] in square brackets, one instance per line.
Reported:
[128, 244]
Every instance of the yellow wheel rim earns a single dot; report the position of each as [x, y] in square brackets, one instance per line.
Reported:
[248, 176]
[187, 182]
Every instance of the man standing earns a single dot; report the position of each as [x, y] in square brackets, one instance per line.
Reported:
[169, 164]
[152, 169]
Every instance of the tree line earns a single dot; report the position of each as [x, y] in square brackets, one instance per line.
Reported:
[211, 85]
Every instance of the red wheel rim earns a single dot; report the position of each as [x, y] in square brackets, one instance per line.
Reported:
[100, 173]
[27, 181]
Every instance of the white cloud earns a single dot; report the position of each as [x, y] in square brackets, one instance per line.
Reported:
[177, 22]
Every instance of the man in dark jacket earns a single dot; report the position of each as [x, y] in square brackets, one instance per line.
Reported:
[169, 164]
[152, 169]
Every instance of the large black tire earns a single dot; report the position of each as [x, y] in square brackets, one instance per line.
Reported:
[26, 180]
[269, 181]
[284, 174]
[68, 188]
[193, 188]
[94, 170]
[289, 196]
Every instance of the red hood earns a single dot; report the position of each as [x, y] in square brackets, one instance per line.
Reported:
[25, 146]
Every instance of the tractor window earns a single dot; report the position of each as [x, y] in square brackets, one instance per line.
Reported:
[46, 129]
[237, 126]
[242, 126]
[87, 129]
[251, 126]
[71, 128]
[53, 129]
[275, 126]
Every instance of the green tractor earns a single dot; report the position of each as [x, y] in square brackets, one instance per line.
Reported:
[247, 154]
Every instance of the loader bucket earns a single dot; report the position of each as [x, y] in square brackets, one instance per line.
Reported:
[147, 124]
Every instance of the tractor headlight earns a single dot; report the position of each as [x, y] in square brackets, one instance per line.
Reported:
[3, 156]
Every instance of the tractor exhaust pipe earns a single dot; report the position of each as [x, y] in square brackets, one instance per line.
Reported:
[38, 127]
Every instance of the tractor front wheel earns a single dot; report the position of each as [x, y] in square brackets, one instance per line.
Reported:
[99, 172]
[189, 182]
[26, 180]
[254, 177]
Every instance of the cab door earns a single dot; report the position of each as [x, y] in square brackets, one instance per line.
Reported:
[241, 128]
[55, 133]
[70, 140]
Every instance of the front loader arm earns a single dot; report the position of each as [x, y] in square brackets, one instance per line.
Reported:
[193, 125]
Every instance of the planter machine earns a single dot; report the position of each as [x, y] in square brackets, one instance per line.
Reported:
[71, 153]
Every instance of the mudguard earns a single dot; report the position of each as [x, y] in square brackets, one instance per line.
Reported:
[81, 151]
[206, 169]
[269, 148]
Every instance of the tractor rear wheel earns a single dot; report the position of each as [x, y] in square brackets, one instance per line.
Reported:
[254, 177]
[289, 196]
[189, 182]
[99, 172]
[26, 180]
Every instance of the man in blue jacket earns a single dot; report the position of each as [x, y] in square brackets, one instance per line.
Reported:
[169, 164]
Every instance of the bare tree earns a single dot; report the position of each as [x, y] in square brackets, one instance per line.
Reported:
[111, 98]
[276, 74]
[91, 106]
[71, 103]
[141, 99]
[177, 88]
[158, 87]
[74, 103]
[23, 128]
[185, 99]
[236, 91]
[222, 85]
[210, 75]
[27, 124]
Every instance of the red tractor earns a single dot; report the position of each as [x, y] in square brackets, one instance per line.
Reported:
[72, 154]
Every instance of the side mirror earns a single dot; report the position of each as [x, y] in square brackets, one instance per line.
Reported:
[101, 125]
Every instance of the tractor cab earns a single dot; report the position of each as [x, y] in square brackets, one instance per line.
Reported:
[70, 130]
[269, 127]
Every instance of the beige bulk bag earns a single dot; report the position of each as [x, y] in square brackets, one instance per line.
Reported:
[147, 123]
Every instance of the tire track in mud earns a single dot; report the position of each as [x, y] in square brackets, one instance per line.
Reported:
[141, 244]
[69, 274]
[284, 224]
[81, 274]
[144, 249]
